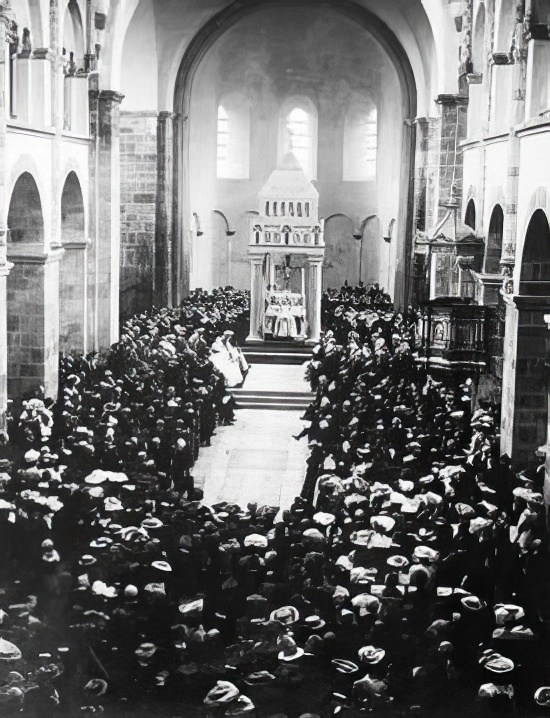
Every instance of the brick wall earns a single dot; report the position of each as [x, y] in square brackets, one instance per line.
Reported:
[138, 180]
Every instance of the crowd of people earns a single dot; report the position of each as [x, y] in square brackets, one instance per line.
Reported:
[409, 579]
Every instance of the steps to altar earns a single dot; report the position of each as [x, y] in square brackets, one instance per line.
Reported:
[275, 352]
[274, 386]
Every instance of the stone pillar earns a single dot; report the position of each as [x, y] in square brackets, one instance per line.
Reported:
[164, 219]
[73, 295]
[256, 298]
[5, 267]
[314, 287]
[543, 452]
[33, 320]
[454, 120]
[524, 396]
[105, 217]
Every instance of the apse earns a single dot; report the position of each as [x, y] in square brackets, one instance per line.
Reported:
[319, 84]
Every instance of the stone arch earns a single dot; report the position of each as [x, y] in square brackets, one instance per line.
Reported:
[72, 269]
[32, 302]
[195, 52]
[25, 219]
[470, 213]
[531, 400]
[73, 32]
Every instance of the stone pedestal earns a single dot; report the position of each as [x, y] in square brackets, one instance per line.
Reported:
[256, 298]
[314, 284]
[33, 320]
[104, 253]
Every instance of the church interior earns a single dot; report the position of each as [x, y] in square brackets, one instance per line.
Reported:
[274, 386]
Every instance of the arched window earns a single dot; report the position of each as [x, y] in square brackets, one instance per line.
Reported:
[298, 133]
[233, 138]
[470, 216]
[494, 241]
[360, 142]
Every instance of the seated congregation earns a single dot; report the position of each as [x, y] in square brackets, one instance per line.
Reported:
[408, 579]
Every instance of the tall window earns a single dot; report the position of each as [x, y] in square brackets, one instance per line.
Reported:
[360, 142]
[298, 133]
[233, 139]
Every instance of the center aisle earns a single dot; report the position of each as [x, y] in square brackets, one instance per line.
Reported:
[256, 459]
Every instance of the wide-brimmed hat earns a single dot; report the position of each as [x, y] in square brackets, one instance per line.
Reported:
[473, 603]
[222, 693]
[289, 651]
[285, 615]
[542, 696]
[344, 666]
[146, 650]
[496, 662]
[162, 566]
[192, 607]
[152, 522]
[9, 651]
[255, 540]
[259, 678]
[96, 687]
[397, 561]
[371, 654]
[366, 603]
[507, 613]
[315, 623]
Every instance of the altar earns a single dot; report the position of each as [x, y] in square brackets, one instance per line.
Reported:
[286, 252]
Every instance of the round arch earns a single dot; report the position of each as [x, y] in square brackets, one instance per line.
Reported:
[470, 214]
[195, 52]
[493, 250]
[72, 210]
[25, 218]
[535, 261]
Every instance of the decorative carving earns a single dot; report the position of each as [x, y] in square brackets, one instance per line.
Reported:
[466, 64]
[26, 43]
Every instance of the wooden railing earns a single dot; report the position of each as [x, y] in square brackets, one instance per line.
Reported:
[451, 331]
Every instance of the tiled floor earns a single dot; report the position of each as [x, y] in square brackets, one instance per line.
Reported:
[256, 459]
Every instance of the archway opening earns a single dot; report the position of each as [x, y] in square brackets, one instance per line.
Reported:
[362, 64]
[72, 270]
[25, 289]
[531, 403]
[470, 216]
[493, 251]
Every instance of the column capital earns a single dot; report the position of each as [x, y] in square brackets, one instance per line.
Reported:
[165, 115]
[111, 96]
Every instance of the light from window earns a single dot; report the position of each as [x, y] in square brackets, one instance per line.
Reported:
[300, 139]
[360, 144]
[233, 141]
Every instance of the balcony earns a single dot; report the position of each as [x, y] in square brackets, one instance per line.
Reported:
[452, 334]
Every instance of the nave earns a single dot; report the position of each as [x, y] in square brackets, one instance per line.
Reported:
[408, 579]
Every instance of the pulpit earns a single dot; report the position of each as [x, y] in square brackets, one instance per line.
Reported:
[286, 251]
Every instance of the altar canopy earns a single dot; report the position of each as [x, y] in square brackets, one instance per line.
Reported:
[286, 251]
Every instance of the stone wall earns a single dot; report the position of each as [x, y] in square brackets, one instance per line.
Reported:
[138, 177]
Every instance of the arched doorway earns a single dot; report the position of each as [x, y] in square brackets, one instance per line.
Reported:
[231, 35]
[32, 302]
[493, 251]
[470, 216]
[531, 395]
[72, 269]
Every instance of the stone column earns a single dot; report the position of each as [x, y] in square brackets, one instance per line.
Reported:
[164, 211]
[105, 217]
[314, 284]
[543, 452]
[73, 296]
[33, 321]
[5, 266]
[256, 298]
